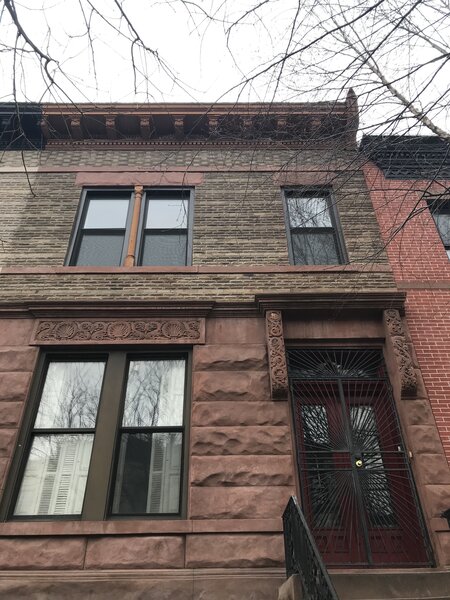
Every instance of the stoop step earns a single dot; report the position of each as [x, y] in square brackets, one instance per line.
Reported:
[380, 584]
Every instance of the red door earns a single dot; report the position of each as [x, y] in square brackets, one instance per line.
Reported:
[357, 490]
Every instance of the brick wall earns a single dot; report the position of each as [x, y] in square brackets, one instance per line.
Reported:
[421, 267]
[238, 220]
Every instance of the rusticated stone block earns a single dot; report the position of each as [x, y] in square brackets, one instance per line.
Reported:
[250, 386]
[14, 386]
[240, 440]
[433, 468]
[225, 414]
[437, 499]
[96, 587]
[152, 552]
[418, 412]
[444, 547]
[3, 465]
[16, 332]
[173, 584]
[235, 331]
[10, 413]
[42, 553]
[231, 357]
[17, 359]
[252, 585]
[7, 437]
[238, 551]
[239, 502]
[424, 439]
[241, 470]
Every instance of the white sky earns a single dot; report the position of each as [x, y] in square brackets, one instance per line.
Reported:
[207, 64]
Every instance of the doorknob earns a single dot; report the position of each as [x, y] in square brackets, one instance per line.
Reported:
[358, 463]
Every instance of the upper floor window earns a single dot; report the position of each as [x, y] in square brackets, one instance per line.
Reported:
[312, 228]
[441, 215]
[133, 227]
[104, 436]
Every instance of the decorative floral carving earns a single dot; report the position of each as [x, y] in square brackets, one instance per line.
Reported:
[72, 331]
[277, 355]
[396, 332]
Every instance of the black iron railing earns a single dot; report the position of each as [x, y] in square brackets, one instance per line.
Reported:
[303, 557]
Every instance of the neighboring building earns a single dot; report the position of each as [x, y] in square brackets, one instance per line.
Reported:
[158, 265]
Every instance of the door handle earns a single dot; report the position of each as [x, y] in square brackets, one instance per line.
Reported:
[359, 463]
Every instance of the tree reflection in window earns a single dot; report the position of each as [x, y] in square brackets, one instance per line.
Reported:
[151, 439]
[319, 463]
[376, 494]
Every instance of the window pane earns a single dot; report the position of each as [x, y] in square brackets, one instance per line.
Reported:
[148, 473]
[443, 225]
[107, 213]
[155, 393]
[309, 211]
[167, 214]
[169, 249]
[314, 249]
[55, 476]
[71, 394]
[101, 250]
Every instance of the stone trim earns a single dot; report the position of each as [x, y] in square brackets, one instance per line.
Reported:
[138, 527]
[124, 331]
[396, 333]
[277, 355]
[131, 178]
[209, 269]
[337, 302]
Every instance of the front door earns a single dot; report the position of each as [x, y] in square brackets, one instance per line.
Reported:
[357, 491]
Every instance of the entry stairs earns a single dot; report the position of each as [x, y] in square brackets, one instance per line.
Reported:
[379, 584]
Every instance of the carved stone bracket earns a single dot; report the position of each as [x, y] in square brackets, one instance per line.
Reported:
[394, 328]
[277, 355]
[123, 331]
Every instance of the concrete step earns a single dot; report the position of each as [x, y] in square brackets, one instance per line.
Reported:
[381, 584]
[384, 584]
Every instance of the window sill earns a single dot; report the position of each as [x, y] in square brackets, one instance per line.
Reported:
[137, 527]
[199, 269]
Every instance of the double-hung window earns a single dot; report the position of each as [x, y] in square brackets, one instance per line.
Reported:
[165, 231]
[441, 215]
[105, 437]
[103, 229]
[125, 227]
[312, 228]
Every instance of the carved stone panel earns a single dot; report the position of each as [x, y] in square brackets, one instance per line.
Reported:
[394, 329]
[123, 331]
[277, 355]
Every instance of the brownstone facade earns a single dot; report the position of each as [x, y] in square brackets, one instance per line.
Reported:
[234, 309]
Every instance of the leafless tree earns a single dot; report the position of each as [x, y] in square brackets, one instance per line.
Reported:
[393, 53]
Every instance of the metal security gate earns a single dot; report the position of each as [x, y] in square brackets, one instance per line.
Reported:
[357, 490]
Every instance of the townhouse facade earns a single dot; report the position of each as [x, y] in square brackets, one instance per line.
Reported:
[199, 320]
[408, 178]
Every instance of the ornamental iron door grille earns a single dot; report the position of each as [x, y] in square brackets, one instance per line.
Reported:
[357, 490]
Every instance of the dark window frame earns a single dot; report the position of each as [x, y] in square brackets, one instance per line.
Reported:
[439, 206]
[78, 227]
[100, 485]
[335, 229]
[91, 192]
[146, 200]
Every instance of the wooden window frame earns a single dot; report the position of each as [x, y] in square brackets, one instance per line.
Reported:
[134, 228]
[335, 228]
[98, 497]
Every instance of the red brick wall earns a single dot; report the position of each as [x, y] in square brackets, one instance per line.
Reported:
[422, 268]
